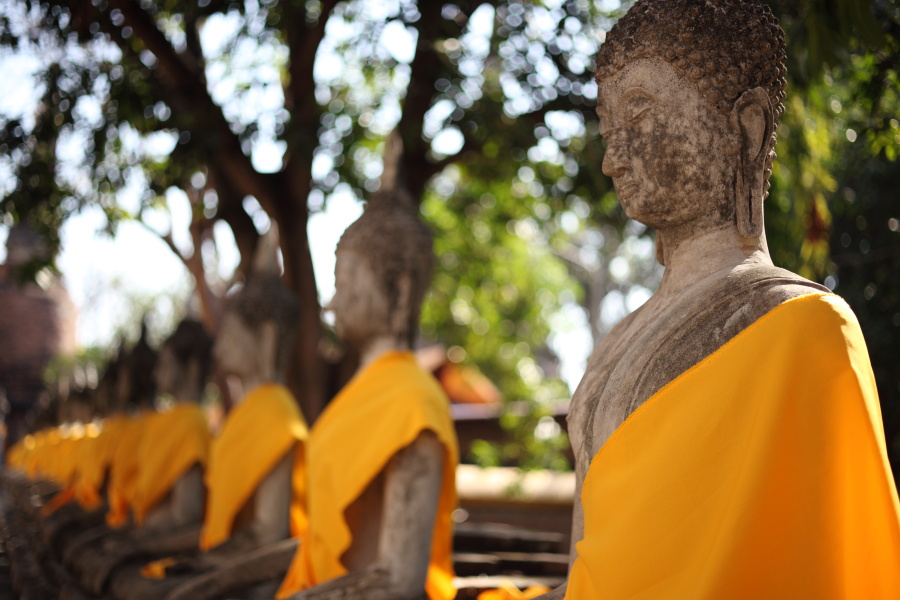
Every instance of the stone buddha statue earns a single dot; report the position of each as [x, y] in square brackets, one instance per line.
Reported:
[175, 496]
[135, 384]
[173, 447]
[71, 520]
[677, 407]
[105, 398]
[127, 385]
[382, 529]
[261, 439]
[183, 363]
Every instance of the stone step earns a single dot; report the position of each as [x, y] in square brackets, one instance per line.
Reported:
[511, 563]
[498, 537]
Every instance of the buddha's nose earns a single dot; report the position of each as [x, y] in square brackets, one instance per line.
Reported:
[615, 161]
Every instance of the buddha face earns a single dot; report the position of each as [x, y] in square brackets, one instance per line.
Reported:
[361, 305]
[239, 349]
[670, 155]
[167, 371]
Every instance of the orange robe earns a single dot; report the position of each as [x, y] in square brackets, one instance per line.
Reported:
[15, 455]
[123, 470]
[761, 472]
[91, 471]
[74, 457]
[173, 442]
[257, 434]
[97, 457]
[380, 412]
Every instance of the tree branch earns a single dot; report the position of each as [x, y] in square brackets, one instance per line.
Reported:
[425, 69]
[470, 148]
[187, 84]
[180, 72]
[231, 210]
[303, 44]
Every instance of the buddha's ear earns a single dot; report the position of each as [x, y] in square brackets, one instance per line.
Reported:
[752, 117]
[402, 309]
[269, 338]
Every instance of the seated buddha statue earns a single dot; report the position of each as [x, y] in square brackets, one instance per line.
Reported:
[88, 509]
[380, 507]
[168, 491]
[128, 393]
[254, 475]
[727, 434]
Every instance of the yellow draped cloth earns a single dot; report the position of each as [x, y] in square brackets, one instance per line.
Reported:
[173, 441]
[73, 456]
[257, 433]
[40, 463]
[123, 470]
[20, 456]
[15, 455]
[759, 473]
[61, 461]
[96, 457]
[91, 471]
[382, 410]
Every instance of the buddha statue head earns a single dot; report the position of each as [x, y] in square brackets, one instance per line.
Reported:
[689, 93]
[76, 407]
[105, 397]
[382, 271]
[135, 385]
[259, 322]
[184, 361]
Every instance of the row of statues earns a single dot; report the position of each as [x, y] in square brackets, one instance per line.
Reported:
[152, 506]
[727, 434]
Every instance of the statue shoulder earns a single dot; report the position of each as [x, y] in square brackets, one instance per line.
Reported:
[758, 288]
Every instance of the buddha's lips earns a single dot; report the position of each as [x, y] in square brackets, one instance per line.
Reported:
[625, 190]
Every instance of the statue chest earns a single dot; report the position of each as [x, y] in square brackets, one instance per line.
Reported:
[618, 378]
[659, 342]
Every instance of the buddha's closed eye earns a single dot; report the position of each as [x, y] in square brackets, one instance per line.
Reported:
[638, 103]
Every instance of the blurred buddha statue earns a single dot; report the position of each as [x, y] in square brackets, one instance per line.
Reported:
[168, 491]
[255, 472]
[379, 506]
[127, 389]
[727, 434]
[89, 509]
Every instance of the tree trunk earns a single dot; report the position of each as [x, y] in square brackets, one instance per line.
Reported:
[307, 372]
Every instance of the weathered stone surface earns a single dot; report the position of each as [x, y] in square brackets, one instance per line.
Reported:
[688, 101]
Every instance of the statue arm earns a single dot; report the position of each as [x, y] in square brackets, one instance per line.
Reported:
[268, 563]
[163, 543]
[559, 593]
[137, 544]
[411, 494]
[271, 522]
[577, 520]
[184, 504]
[271, 518]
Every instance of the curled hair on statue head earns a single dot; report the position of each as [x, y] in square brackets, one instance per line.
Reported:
[395, 244]
[136, 372]
[725, 47]
[264, 298]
